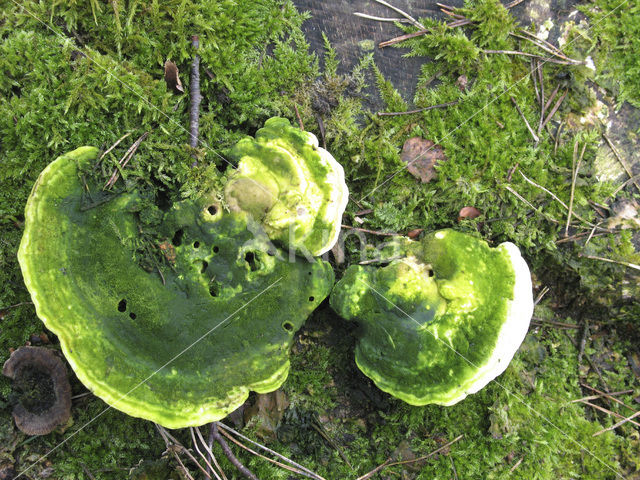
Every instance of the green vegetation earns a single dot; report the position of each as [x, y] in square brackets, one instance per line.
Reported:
[615, 40]
[85, 73]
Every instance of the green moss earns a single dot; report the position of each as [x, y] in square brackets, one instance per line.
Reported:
[615, 39]
[260, 67]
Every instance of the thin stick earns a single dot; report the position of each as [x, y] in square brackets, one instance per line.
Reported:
[453, 466]
[631, 180]
[590, 236]
[166, 436]
[555, 145]
[513, 4]
[533, 134]
[373, 232]
[424, 457]
[575, 168]
[555, 108]
[106, 152]
[522, 199]
[375, 470]
[620, 159]
[542, 101]
[209, 449]
[609, 412]
[404, 462]
[212, 456]
[409, 112]
[229, 454]
[547, 47]
[404, 14]
[559, 201]
[125, 160]
[381, 19]
[402, 38]
[184, 450]
[272, 452]
[567, 326]
[275, 462]
[551, 97]
[621, 422]
[600, 395]
[15, 305]
[517, 464]
[295, 107]
[583, 341]
[459, 23]
[532, 55]
[195, 445]
[551, 48]
[542, 293]
[610, 395]
[534, 66]
[618, 262]
[196, 97]
[380, 260]
[86, 470]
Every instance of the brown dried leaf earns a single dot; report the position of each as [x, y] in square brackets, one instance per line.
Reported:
[422, 156]
[415, 232]
[172, 76]
[468, 213]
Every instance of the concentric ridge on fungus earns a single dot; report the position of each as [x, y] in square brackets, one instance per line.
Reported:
[181, 348]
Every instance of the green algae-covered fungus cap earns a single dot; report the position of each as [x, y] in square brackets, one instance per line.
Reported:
[291, 186]
[174, 321]
[440, 322]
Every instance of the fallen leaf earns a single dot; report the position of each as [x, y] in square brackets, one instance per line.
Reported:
[468, 213]
[462, 82]
[172, 76]
[415, 232]
[421, 157]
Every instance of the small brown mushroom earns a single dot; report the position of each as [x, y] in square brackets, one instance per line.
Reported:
[40, 379]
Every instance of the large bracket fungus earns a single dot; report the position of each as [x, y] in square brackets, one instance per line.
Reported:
[440, 322]
[181, 348]
[291, 186]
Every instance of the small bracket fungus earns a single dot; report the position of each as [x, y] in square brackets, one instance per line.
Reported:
[44, 393]
[442, 321]
[291, 186]
[181, 337]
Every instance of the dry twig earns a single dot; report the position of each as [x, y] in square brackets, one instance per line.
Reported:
[618, 262]
[413, 460]
[125, 160]
[409, 112]
[404, 14]
[373, 232]
[574, 176]
[196, 97]
[402, 38]
[620, 159]
[268, 450]
[533, 134]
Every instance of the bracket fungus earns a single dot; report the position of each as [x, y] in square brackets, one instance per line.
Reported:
[181, 348]
[440, 322]
[44, 400]
[291, 186]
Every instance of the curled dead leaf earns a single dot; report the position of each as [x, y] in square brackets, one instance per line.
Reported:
[415, 233]
[172, 76]
[468, 213]
[421, 157]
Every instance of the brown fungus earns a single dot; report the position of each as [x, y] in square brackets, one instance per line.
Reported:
[42, 388]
